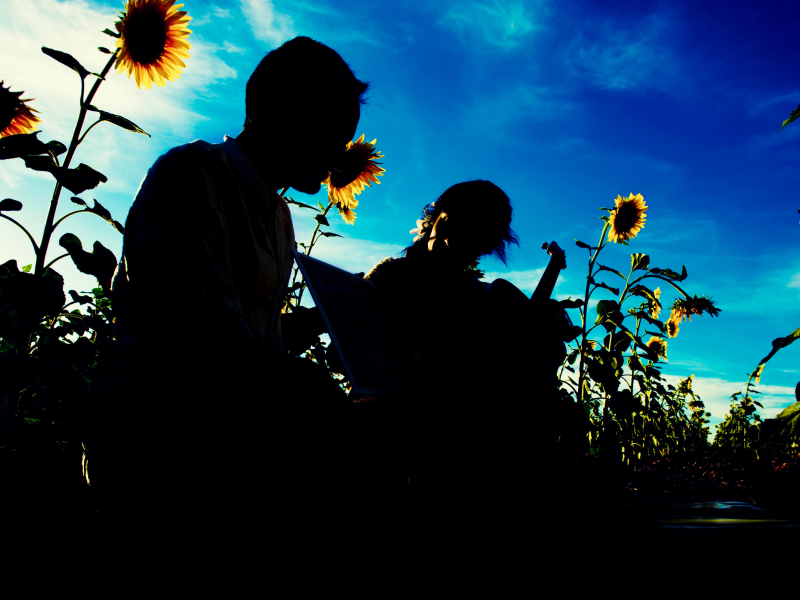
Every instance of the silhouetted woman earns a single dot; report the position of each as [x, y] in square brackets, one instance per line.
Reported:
[480, 393]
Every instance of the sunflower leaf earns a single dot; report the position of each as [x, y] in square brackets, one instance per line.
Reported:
[290, 200]
[779, 343]
[604, 268]
[67, 60]
[113, 34]
[101, 262]
[21, 144]
[117, 120]
[79, 201]
[55, 148]
[581, 244]
[322, 208]
[614, 291]
[80, 179]
[570, 303]
[639, 262]
[793, 116]
[27, 268]
[321, 219]
[41, 163]
[101, 211]
[104, 50]
[10, 205]
[329, 234]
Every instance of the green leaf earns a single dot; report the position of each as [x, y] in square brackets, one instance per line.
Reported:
[21, 144]
[100, 263]
[321, 208]
[27, 268]
[792, 116]
[604, 307]
[104, 50]
[10, 205]
[67, 60]
[117, 120]
[581, 244]
[321, 219]
[101, 212]
[300, 204]
[604, 268]
[613, 290]
[639, 262]
[55, 148]
[113, 34]
[76, 297]
[779, 343]
[328, 234]
[570, 303]
[41, 163]
[80, 179]
[670, 273]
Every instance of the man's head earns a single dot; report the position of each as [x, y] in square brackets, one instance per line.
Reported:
[304, 98]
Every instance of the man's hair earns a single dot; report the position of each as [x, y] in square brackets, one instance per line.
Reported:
[484, 205]
[303, 69]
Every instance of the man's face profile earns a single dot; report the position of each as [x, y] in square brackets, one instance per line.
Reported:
[322, 148]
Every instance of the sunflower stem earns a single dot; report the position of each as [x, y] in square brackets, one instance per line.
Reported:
[314, 239]
[41, 253]
[30, 237]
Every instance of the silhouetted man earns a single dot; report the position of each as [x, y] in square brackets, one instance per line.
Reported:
[198, 402]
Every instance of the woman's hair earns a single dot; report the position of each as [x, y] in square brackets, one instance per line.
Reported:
[483, 206]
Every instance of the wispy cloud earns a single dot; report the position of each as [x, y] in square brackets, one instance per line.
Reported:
[496, 25]
[625, 58]
[266, 23]
[506, 107]
[215, 12]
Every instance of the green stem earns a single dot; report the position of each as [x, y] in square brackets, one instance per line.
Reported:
[52, 262]
[586, 296]
[30, 237]
[314, 239]
[48, 226]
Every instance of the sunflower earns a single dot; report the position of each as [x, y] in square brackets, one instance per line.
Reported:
[655, 304]
[658, 347]
[627, 219]
[757, 373]
[348, 214]
[152, 41]
[673, 325]
[359, 169]
[15, 116]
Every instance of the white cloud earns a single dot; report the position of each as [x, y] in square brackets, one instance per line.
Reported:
[497, 24]
[623, 59]
[716, 394]
[228, 47]
[267, 24]
[794, 282]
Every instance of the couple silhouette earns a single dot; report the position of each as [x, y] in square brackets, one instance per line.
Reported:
[208, 439]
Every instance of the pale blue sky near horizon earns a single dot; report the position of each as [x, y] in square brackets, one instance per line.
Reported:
[564, 105]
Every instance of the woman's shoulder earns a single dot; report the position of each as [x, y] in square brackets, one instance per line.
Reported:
[387, 267]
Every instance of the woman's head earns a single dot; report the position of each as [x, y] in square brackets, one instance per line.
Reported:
[471, 219]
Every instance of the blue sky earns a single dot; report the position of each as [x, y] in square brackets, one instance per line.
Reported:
[562, 104]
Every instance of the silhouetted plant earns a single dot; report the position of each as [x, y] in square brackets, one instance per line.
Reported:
[47, 351]
[633, 414]
[359, 170]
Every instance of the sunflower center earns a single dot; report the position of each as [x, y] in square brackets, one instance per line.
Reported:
[626, 218]
[351, 167]
[146, 36]
[8, 108]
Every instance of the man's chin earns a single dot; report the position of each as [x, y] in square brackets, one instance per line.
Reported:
[307, 187]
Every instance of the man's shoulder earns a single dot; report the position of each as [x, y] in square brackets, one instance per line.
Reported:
[387, 265]
[190, 154]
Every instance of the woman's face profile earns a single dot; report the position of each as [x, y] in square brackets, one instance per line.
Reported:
[450, 237]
